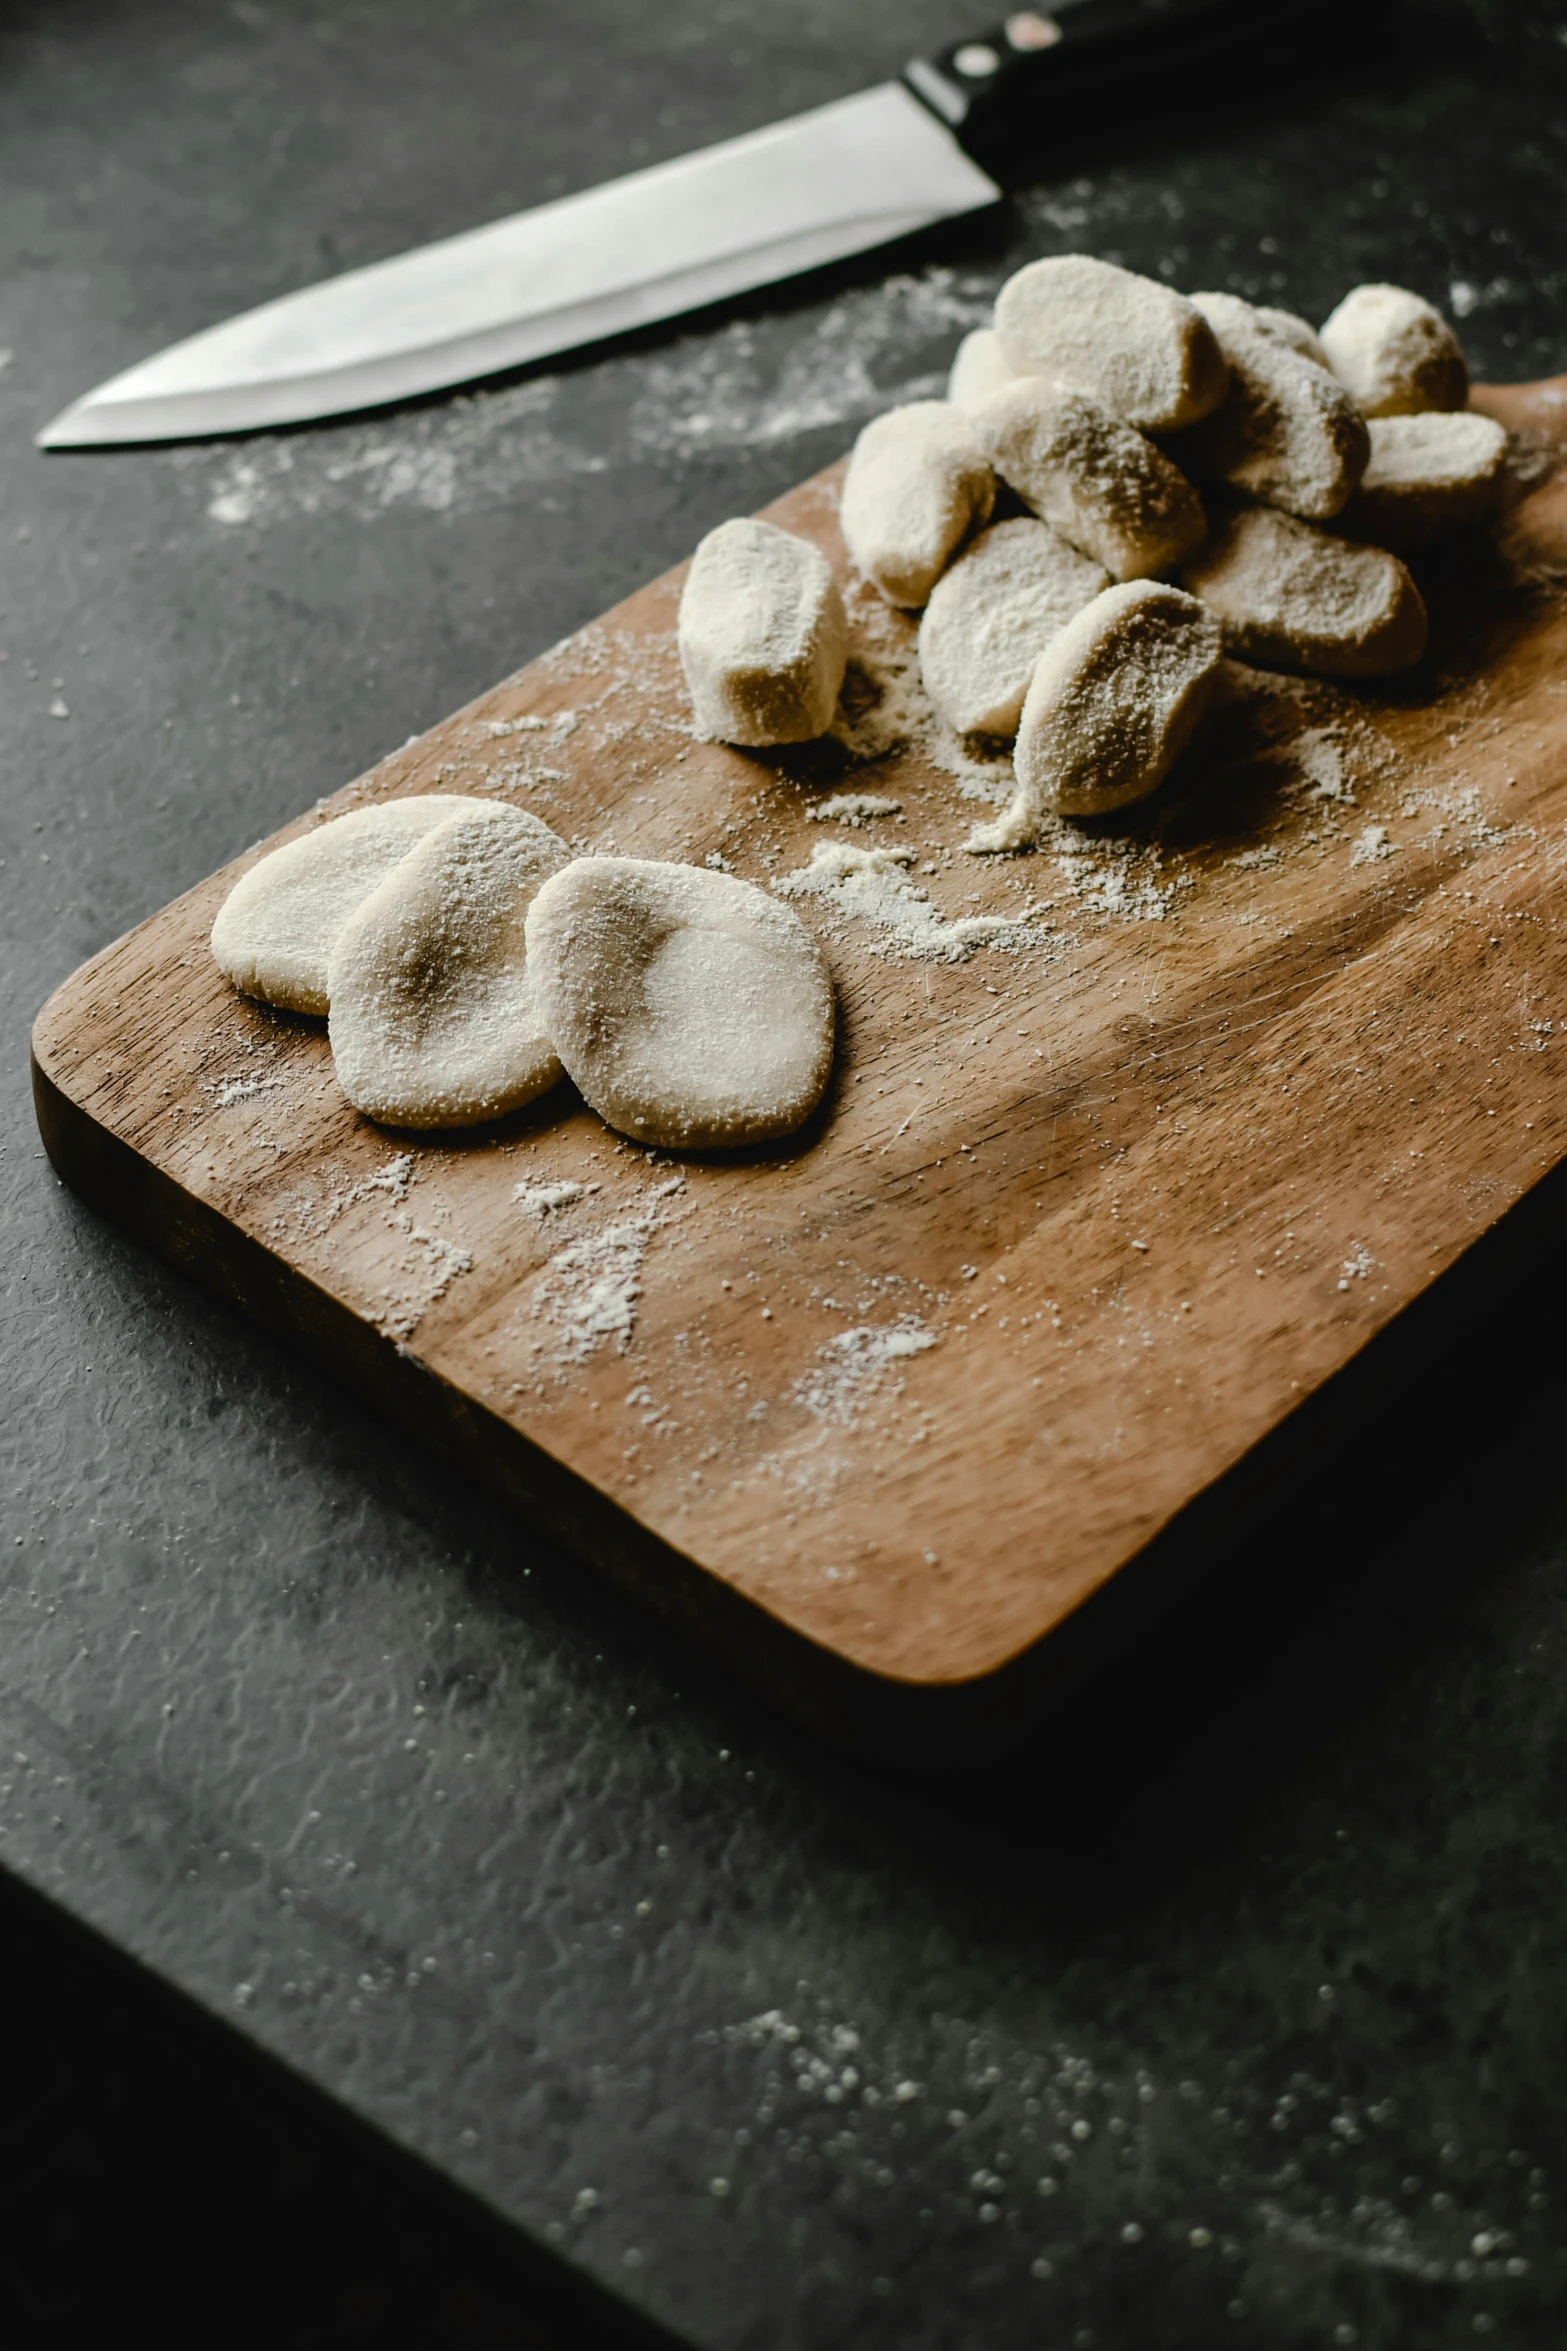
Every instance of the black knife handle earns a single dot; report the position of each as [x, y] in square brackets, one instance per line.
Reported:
[994, 82]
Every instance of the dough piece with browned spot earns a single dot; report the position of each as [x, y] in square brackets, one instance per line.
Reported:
[1100, 483]
[690, 1009]
[992, 616]
[1287, 431]
[1395, 352]
[917, 484]
[1115, 699]
[762, 634]
[434, 1019]
[1428, 475]
[1137, 347]
[1290, 597]
[276, 929]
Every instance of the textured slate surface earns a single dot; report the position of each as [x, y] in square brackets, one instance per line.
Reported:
[780, 2051]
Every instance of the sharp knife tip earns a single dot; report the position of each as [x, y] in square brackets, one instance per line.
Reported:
[91, 423]
[73, 428]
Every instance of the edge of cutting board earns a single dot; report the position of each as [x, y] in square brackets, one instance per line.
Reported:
[936, 1720]
[921, 1725]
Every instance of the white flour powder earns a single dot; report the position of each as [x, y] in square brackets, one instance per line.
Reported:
[854, 808]
[855, 1367]
[873, 885]
[587, 1295]
[543, 1199]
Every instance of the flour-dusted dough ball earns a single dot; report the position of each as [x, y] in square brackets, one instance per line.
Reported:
[690, 1009]
[434, 1019]
[1428, 474]
[992, 616]
[1287, 431]
[917, 484]
[1116, 698]
[1225, 312]
[1291, 597]
[1097, 481]
[277, 927]
[1396, 352]
[1138, 348]
[763, 637]
[980, 368]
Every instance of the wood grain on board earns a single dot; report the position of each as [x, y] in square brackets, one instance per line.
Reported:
[1089, 1212]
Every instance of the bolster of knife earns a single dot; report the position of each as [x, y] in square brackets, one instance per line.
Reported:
[993, 88]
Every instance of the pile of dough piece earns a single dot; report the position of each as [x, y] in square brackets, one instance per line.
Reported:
[1123, 486]
[464, 959]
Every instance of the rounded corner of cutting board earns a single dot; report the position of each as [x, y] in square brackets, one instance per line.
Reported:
[58, 1021]
[50, 1027]
[55, 1107]
[934, 1711]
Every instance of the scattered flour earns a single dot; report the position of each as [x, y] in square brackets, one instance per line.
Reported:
[1315, 752]
[394, 1180]
[1116, 877]
[718, 393]
[854, 808]
[432, 1263]
[1388, 2243]
[543, 1200]
[1459, 810]
[854, 1367]
[874, 886]
[592, 1288]
[587, 1295]
[429, 1263]
[560, 723]
[1356, 1266]
[1015, 2121]
[228, 1090]
[1372, 846]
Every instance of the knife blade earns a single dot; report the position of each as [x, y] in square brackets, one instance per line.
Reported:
[846, 177]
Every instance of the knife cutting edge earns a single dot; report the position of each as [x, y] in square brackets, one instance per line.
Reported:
[841, 179]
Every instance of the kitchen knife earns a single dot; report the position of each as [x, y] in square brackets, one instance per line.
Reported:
[845, 177]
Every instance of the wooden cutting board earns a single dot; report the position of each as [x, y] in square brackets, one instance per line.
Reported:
[1098, 1199]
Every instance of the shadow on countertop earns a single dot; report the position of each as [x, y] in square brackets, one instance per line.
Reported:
[151, 2162]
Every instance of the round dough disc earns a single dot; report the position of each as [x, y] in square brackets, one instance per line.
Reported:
[277, 927]
[434, 1021]
[690, 1009]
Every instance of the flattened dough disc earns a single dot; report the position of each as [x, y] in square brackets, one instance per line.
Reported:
[434, 1022]
[689, 1008]
[277, 927]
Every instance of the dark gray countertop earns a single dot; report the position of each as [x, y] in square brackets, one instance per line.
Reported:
[1228, 2013]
